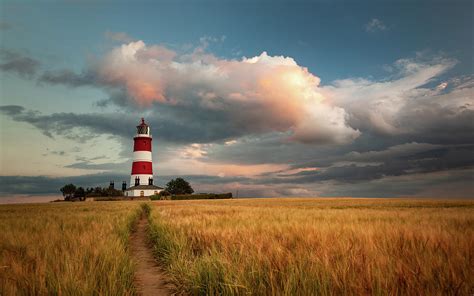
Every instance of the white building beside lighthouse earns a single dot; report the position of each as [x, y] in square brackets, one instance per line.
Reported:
[141, 179]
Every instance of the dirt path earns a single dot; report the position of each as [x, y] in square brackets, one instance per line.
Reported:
[149, 278]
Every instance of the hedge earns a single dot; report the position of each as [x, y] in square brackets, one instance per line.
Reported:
[193, 196]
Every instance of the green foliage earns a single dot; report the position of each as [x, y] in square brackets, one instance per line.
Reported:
[71, 192]
[103, 192]
[80, 193]
[179, 186]
[68, 191]
[201, 196]
[191, 196]
[164, 193]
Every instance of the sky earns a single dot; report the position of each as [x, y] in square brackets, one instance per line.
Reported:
[257, 98]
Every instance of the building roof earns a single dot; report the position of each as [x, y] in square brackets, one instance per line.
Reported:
[140, 187]
[142, 123]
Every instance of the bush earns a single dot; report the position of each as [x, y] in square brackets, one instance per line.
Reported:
[191, 196]
[202, 196]
[155, 197]
[103, 192]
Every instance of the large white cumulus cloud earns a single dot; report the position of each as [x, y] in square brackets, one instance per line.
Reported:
[405, 104]
[260, 94]
[199, 98]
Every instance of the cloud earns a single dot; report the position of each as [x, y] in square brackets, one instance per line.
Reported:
[253, 95]
[442, 86]
[246, 124]
[17, 63]
[446, 185]
[71, 125]
[405, 159]
[175, 128]
[41, 185]
[272, 94]
[5, 26]
[375, 25]
[68, 78]
[404, 106]
[118, 36]
[195, 151]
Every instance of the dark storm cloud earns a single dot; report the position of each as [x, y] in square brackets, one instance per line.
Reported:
[207, 179]
[68, 78]
[17, 63]
[49, 185]
[183, 127]
[87, 165]
[71, 125]
[431, 122]
[357, 167]
[12, 110]
[455, 184]
[28, 67]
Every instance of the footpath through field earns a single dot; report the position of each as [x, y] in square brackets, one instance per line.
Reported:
[149, 278]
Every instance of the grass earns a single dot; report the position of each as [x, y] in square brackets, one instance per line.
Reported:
[243, 247]
[316, 246]
[66, 248]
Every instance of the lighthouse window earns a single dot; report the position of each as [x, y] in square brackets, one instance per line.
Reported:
[142, 129]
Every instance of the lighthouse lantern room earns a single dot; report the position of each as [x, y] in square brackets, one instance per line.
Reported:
[141, 179]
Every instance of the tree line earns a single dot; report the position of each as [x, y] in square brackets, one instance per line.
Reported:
[71, 192]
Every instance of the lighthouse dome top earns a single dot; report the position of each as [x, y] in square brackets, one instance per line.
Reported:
[143, 128]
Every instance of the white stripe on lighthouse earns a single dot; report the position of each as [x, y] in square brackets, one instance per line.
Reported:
[143, 179]
[141, 156]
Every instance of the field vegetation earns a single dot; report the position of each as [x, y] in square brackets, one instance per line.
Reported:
[243, 247]
[316, 246]
[66, 248]
[192, 196]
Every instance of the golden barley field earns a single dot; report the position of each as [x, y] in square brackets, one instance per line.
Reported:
[316, 246]
[66, 248]
[243, 247]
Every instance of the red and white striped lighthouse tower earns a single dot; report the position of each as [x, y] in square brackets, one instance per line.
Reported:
[142, 167]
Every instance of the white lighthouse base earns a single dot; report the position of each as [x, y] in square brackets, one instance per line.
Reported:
[142, 191]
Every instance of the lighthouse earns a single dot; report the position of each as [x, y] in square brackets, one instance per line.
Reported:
[141, 179]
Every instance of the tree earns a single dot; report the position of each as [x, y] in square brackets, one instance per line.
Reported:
[112, 192]
[179, 186]
[68, 191]
[89, 191]
[164, 193]
[98, 191]
[80, 193]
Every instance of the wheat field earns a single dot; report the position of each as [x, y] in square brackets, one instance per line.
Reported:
[243, 247]
[66, 248]
[316, 246]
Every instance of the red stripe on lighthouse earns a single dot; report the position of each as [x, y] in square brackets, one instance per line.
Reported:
[142, 144]
[142, 168]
